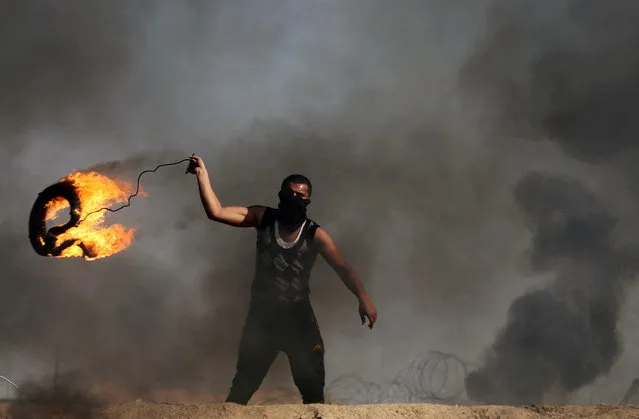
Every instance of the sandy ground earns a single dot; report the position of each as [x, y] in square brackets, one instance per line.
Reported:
[109, 401]
[142, 409]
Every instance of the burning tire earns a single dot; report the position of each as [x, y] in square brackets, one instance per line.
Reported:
[45, 242]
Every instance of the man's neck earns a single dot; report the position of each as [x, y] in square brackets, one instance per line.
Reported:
[288, 231]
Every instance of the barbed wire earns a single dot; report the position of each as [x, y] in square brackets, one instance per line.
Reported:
[438, 377]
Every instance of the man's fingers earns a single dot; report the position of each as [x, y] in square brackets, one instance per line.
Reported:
[193, 164]
[361, 316]
[371, 321]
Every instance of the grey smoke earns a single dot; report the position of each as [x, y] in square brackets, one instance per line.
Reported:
[564, 72]
[361, 97]
[329, 89]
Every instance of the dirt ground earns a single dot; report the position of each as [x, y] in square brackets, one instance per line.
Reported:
[141, 409]
[109, 401]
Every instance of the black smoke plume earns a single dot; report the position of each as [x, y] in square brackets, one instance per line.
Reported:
[565, 72]
[565, 335]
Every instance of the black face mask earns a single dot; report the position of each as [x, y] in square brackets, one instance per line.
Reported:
[292, 209]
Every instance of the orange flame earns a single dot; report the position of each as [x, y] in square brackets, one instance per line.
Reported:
[95, 191]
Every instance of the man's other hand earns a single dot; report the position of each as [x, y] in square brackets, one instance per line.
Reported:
[368, 311]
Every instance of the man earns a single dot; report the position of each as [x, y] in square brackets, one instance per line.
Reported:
[280, 316]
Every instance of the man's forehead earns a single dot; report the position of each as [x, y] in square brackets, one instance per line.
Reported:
[298, 187]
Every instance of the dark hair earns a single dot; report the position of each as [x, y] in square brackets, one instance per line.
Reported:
[300, 179]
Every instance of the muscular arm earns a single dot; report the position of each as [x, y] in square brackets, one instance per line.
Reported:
[234, 216]
[333, 257]
[347, 274]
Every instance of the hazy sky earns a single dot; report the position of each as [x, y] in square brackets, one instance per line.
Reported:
[413, 119]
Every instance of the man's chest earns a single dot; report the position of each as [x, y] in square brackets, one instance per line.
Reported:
[294, 260]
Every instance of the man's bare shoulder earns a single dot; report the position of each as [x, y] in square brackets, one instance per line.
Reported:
[257, 212]
[322, 236]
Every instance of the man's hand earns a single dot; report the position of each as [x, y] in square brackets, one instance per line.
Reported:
[368, 311]
[196, 166]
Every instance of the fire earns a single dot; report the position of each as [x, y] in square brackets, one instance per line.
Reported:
[95, 191]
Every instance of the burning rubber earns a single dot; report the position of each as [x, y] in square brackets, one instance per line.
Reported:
[87, 194]
[45, 242]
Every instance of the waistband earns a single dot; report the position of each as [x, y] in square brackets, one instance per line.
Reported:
[275, 305]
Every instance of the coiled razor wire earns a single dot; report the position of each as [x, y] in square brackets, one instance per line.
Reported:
[436, 378]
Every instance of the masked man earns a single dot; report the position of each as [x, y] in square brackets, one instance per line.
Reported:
[280, 316]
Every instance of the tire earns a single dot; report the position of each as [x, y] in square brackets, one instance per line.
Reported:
[43, 241]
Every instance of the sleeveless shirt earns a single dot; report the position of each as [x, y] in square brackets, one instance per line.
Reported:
[283, 270]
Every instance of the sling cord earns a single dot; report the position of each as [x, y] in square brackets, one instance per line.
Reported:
[137, 189]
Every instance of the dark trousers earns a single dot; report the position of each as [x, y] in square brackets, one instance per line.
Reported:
[269, 330]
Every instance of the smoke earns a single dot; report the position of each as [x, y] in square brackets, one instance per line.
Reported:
[362, 98]
[62, 398]
[564, 335]
[331, 90]
[563, 73]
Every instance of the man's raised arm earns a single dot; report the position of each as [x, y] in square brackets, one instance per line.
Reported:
[233, 216]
